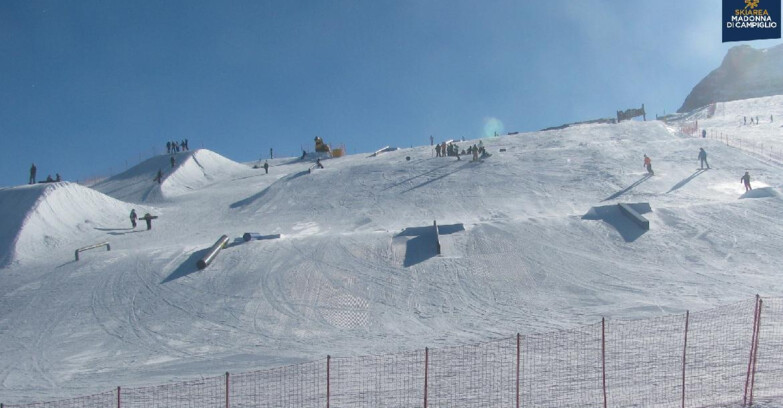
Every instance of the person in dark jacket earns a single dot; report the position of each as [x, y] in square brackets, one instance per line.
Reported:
[133, 217]
[266, 167]
[32, 174]
[746, 180]
[173, 161]
[703, 158]
[159, 177]
[148, 219]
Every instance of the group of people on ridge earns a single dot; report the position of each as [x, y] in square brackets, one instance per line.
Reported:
[451, 149]
[49, 179]
[174, 147]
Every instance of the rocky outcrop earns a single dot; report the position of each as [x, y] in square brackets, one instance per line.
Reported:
[745, 73]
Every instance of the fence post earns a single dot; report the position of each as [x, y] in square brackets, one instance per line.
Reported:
[118, 397]
[328, 379]
[684, 349]
[752, 348]
[603, 356]
[756, 353]
[426, 372]
[227, 376]
[518, 360]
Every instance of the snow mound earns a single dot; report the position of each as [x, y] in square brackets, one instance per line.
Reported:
[44, 217]
[763, 192]
[192, 170]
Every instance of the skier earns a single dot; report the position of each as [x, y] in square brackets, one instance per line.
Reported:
[32, 174]
[431, 140]
[57, 177]
[703, 159]
[148, 218]
[133, 217]
[648, 165]
[168, 147]
[746, 180]
[173, 161]
[703, 133]
[437, 150]
[159, 177]
[318, 164]
[266, 167]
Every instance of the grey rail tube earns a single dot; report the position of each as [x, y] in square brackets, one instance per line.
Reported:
[213, 252]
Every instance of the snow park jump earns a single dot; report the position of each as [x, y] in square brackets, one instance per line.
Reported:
[213, 252]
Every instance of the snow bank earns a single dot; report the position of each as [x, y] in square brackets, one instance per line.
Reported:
[192, 170]
[43, 217]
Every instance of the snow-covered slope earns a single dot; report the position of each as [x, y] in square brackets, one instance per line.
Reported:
[530, 242]
[192, 170]
[46, 219]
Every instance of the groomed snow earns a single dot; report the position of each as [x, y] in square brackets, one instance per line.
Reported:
[530, 244]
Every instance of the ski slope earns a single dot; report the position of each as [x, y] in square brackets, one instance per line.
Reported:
[531, 243]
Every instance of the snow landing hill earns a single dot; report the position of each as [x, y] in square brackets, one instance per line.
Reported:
[531, 241]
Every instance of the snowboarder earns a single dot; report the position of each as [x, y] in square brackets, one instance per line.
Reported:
[133, 217]
[32, 174]
[746, 180]
[648, 165]
[159, 177]
[173, 161]
[148, 218]
[266, 167]
[703, 159]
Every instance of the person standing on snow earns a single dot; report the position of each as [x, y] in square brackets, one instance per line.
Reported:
[648, 165]
[148, 218]
[173, 161]
[437, 150]
[32, 174]
[703, 159]
[159, 177]
[133, 217]
[266, 167]
[746, 180]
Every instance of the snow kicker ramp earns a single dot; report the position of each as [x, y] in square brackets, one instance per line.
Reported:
[45, 217]
[192, 170]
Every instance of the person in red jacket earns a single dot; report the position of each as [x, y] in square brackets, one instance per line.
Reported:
[648, 165]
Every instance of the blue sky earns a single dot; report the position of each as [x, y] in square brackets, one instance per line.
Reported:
[88, 88]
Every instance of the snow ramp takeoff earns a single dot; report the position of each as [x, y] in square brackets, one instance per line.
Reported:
[45, 217]
[192, 170]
